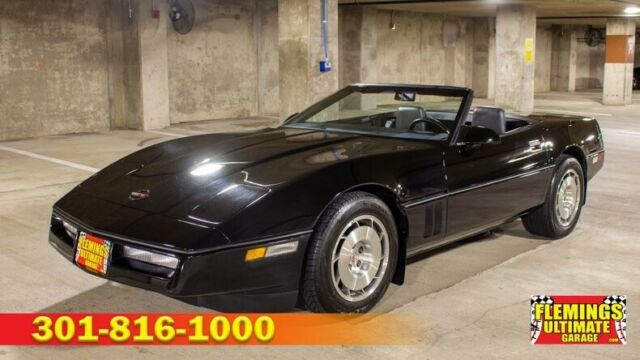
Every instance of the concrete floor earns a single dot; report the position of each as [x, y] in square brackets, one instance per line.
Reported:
[470, 298]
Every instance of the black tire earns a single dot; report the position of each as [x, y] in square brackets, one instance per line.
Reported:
[319, 294]
[543, 220]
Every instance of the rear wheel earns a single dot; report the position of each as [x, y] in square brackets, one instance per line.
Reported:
[558, 216]
[352, 255]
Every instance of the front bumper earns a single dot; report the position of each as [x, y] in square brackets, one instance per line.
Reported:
[220, 279]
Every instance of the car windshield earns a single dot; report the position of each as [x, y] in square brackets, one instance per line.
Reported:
[383, 110]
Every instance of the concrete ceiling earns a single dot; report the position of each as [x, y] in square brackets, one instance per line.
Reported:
[545, 8]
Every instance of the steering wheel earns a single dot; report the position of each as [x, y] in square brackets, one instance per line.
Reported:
[431, 121]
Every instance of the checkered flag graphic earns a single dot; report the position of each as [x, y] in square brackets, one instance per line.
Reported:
[541, 299]
[621, 325]
[615, 299]
[537, 324]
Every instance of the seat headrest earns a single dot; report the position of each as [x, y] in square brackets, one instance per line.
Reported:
[490, 118]
[406, 115]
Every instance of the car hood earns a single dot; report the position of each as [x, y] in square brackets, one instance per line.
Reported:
[180, 175]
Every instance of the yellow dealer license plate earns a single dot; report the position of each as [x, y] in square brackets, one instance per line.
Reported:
[92, 253]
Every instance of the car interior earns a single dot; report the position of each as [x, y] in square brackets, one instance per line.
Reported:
[482, 116]
[410, 115]
[415, 119]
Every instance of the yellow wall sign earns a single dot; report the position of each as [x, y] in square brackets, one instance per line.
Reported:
[529, 50]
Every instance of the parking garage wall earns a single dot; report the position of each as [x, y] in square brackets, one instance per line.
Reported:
[423, 48]
[53, 67]
[574, 64]
[227, 66]
[589, 62]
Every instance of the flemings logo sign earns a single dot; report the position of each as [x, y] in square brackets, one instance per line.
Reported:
[579, 319]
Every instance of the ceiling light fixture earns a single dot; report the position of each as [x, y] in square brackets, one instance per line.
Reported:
[632, 10]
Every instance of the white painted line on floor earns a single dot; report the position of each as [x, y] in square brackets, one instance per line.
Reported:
[573, 112]
[50, 159]
[193, 131]
[636, 133]
[165, 133]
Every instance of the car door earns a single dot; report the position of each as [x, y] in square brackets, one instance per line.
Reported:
[490, 183]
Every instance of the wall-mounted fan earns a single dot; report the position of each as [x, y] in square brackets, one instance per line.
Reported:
[182, 15]
[593, 37]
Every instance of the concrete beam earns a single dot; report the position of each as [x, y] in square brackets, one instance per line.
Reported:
[300, 52]
[515, 63]
[618, 68]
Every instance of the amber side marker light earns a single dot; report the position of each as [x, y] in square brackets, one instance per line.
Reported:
[269, 251]
[255, 254]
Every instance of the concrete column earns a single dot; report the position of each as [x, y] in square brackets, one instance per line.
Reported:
[433, 51]
[450, 34]
[266, 37]
[463, 54]
[146, 69]
[618, 68]
[300, 52]
[154, 65]
[116, 15]
[481, 44]
[358, 44]
[544, 45]
[564, 58]
[491, 86]
[515, 64]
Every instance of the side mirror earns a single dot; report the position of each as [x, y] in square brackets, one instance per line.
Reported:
[474, 135]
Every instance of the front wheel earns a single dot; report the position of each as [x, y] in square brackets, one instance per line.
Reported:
[558, 216]
[352, 255]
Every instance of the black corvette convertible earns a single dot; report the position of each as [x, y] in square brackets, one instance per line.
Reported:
[323, 211]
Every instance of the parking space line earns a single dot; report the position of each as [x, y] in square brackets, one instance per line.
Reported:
[557, 111]
[193, 131]
[50, 159]
[626, 132]
[165, 133]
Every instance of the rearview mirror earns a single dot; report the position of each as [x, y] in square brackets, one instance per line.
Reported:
[406, 96]
[475, 135]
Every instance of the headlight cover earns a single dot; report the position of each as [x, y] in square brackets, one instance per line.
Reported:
[150, 257]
